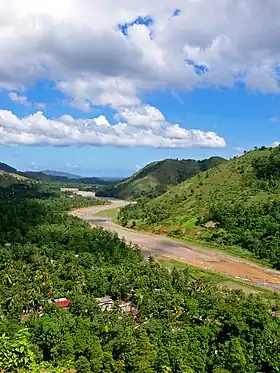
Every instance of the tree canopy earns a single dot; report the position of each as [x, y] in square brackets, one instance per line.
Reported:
[182, 324]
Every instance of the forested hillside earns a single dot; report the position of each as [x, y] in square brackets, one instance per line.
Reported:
[155, 178]
[235, 203]
[7, 179]
[178, 324]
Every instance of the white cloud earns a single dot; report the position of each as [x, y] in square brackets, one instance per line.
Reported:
[78, 45]
[21, 99]
[36, 129]
[143, 116]
[85, 91]
[275, 144]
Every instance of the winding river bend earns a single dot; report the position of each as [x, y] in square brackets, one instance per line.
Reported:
[192, 254]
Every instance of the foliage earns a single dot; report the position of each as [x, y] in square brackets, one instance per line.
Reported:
[241, 198]
[183, 324]
[154, 179]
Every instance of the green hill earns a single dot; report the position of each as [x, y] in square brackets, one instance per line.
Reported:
[154, 179]
[7, 179]
[10, 175]
[235, 203]
[6, 168]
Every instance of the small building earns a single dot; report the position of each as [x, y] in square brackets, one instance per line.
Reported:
[125, 307]
[62, 302]
[211, 224]
[134, 312]
[105, 303]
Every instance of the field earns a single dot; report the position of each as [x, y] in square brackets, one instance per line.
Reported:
[220, 280]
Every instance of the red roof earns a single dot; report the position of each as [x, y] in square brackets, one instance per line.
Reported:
[62, 302]
[134, 311]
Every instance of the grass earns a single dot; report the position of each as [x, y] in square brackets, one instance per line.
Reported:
[235, 251]
[110, 214]
[158, 176]
[220, 280]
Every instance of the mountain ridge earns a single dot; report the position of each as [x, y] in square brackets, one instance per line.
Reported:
[61, 174]
[155, 178]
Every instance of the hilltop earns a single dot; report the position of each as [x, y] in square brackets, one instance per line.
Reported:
[9, 176]
[235, 203]
[7, 179]
[155, 178]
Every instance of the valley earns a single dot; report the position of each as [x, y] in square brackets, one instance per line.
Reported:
[57, 265]
[192, 254]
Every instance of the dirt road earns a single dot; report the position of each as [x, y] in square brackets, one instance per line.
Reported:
[188, 253]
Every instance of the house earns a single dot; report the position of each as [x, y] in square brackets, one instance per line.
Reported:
[105, 303]
[62, 302]
[125, 307]
[134, 312]
[211, 224]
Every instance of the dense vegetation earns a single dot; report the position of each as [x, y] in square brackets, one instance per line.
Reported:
[87, 184]
[183, 325]
[239, 199]
[7, 179]
[155, 178]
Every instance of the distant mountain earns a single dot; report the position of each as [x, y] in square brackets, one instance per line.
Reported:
[10, 175]
[61, 174]
[65, 180]
[155, 178]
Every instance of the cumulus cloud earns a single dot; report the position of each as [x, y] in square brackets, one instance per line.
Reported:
[79, 45]
[36, 129]
[23, 100]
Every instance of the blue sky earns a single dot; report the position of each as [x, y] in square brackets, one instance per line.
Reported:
[106, 100]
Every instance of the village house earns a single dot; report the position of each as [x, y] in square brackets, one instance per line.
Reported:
[61, 302]
[107, 304]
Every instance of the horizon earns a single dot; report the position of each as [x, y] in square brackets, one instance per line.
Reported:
[109, 173]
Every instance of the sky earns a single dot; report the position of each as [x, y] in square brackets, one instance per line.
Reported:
[101, 88]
